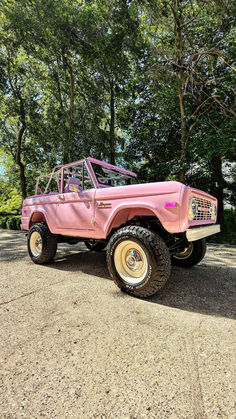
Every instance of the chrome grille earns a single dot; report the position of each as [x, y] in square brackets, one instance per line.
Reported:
[202, 209]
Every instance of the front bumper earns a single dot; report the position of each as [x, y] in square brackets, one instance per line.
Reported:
[193, 234]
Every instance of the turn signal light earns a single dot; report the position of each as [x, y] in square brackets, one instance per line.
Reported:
[170, 204]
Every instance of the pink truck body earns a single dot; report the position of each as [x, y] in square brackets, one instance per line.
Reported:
[93, 213]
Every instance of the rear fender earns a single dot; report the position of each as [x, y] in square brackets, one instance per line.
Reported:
[38, 216]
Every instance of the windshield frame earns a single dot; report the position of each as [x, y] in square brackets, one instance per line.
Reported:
[90, 161]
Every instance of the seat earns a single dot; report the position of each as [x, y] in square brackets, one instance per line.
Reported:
[73, 185]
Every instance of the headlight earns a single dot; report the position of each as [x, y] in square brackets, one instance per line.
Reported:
[192, 208]
[213, 211]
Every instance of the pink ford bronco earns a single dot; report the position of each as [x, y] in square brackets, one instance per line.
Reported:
[145, 227]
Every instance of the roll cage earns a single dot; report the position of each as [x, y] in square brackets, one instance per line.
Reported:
[99, 174]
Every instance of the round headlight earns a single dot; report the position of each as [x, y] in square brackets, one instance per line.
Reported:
[192, 208]
[213, 211]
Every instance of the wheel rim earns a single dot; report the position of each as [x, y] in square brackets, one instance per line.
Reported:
[131, 261]
[36, 244]
[91, 242]
[186, 252]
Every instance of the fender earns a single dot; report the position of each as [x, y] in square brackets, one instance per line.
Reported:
[127, 212]
[39, 215]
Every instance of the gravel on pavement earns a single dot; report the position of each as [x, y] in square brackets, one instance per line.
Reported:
[72, 345]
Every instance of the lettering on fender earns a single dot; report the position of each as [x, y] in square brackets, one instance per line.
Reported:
[104, 205]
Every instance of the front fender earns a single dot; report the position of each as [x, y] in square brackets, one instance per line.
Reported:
[125, 212]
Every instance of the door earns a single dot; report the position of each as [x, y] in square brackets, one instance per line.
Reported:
[75, 205]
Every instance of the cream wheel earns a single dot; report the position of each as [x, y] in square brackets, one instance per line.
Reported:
[138, 260]
[42, 244]
[36, 244]
[193, 253]
[130, 261]
[186, 252]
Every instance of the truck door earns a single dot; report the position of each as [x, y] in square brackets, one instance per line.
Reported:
[75, 203]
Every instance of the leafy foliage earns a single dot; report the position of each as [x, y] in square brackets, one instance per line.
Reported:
[10, 197]
[146, 84]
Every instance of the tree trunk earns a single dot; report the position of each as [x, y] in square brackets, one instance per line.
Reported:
[218, 182]
[59, 97]
[71, 116]
[112, 124]
[19, 147]
[183, 138]
[68, 148]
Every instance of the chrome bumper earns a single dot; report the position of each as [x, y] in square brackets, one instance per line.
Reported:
[193, 234]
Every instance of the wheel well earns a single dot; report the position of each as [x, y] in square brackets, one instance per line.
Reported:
[154, 224]
[148, 221]
[37, 217]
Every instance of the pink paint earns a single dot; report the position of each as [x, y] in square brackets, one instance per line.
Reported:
[170, 205]
[94, 212]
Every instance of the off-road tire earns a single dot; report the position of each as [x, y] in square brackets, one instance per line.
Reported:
[198, 253]
[49, 244]
[158, 260]
[96, 246]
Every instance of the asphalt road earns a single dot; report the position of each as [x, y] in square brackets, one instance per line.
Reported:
[72, 345]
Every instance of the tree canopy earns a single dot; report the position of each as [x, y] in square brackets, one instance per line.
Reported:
[145, 84]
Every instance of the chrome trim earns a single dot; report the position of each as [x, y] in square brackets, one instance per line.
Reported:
[193, 234]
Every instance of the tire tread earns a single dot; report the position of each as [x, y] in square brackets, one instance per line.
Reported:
[49, 247]
[159, 254]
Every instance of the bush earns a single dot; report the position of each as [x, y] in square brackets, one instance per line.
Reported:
[228, 229]
[3, 222]
[11, 222]
[229, 221]
[18, 222]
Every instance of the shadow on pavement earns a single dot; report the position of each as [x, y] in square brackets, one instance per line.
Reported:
[209, 288]
[12, 246]
[205, 288]
[90, 263]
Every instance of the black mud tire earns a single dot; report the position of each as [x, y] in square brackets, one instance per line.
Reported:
[158, 260]
[95, 246]
[49, 244]
[197, 254]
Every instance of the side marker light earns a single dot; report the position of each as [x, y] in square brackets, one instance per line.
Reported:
[170, 205]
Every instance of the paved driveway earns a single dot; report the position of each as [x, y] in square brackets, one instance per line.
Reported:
[72, 345]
